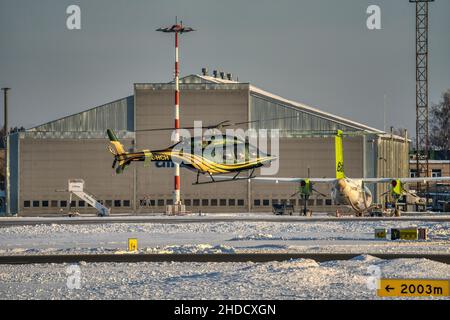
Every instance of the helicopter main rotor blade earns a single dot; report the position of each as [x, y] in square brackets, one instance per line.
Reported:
[214, 126]
[223, 124]
[162, 129]
[228, 123]
[262, 120]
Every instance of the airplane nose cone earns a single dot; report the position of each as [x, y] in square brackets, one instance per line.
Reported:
[342, 184]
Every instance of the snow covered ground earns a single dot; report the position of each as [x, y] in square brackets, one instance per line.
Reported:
[224, 237]
[296, 279]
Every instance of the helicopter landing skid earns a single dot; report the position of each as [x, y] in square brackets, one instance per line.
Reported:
[234, 178]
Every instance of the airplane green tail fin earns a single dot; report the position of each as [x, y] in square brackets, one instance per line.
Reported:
[339, 149]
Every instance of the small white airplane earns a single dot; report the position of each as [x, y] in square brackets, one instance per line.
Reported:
[350, 191]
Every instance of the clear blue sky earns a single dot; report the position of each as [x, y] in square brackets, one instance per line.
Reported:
[317, 52]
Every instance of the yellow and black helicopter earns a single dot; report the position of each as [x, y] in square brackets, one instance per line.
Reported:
[227, 154]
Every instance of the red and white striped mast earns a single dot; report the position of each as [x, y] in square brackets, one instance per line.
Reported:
[177, 29]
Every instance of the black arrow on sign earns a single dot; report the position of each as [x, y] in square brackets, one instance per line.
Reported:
[388, 289]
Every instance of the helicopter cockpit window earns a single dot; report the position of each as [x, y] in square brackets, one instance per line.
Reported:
[221, 149]
[252, 152]
[228, 154]
[188, 145]
[240, 154]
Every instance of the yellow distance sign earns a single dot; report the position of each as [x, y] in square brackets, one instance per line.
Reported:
[409, 234]
[132, 245]
[413, 288]
[380, 233]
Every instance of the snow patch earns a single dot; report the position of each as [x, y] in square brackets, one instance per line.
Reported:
[198, 249]
[365, 258]
[295, 279]
[257, 236]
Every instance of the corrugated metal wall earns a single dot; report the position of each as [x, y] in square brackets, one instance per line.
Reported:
[117, 115]
[289, 119]
[393, 160]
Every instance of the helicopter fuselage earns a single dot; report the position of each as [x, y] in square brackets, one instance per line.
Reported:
[196, 162]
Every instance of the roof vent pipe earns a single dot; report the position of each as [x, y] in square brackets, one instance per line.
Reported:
[229, 76]
[222, 75]
[215, 73]
[205, 71]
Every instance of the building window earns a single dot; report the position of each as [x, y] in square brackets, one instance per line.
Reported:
[196, 202]
[160, 202]
[35, 204]
[54, 203]
[126, 203]
[108, 203]
[319, 202]
[301, 202]
[436, 173]
[223, 202]
[214, 202]
[266, 202]
[284, 201]
[63, 204]
[232, 202]
[26, 203]
[292, 202]
[169, 202]
[275, 201]
[328, 202]
[205, 202]
[81, 203]
[257, 202]
[143, 203]
[73, 204]
[101, 202]
[117, 203]
[45, 203]
[413, 173]
[187, 202]
[241, 202]
[310, 202]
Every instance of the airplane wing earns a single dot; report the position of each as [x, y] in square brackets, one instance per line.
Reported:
[406, 180]
[294, 180]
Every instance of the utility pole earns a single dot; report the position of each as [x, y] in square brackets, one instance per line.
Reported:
[422, 137]
[177, 29]
[5, 131]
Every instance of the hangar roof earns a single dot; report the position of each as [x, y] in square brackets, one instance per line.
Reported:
[297, 105]
[119, 114]
[92, 123]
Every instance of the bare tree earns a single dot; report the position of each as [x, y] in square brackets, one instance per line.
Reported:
[440, 125]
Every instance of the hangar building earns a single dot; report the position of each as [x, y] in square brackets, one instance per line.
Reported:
[43, 158]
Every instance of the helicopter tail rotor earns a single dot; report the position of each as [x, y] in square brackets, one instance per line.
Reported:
[117, 150]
